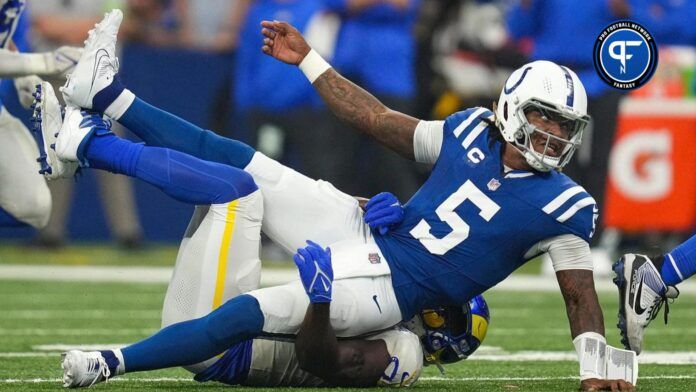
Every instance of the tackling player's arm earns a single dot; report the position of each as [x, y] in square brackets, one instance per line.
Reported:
[350, 103]
[354, 363]
[347, 363]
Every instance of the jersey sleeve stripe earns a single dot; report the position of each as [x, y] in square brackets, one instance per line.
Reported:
[582, 203]
[469, 139]
[562, 198]
[459, 129]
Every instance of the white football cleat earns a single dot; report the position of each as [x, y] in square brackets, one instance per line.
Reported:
[78, 127]
[84, 369]
[641, 295]
[98, 64]
[47, 118]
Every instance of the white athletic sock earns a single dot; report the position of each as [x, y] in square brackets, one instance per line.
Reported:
[120, 105]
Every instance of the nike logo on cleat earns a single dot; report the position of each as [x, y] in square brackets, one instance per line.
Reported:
[639, 309]
[97, 62]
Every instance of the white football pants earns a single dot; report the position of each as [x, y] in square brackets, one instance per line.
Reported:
[23, 191]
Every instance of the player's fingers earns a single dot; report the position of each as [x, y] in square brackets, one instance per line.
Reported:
[298, 260]
[385, 221]
[315, 251]
[267, 50]
[268, 33]
[281, 27]
[267, 24]
[377, 199]
[376, 214]
[305, 254]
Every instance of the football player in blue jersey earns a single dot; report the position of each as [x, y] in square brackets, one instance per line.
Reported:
[24, 197]
[218, 260]
[494, 199]
[496, 196]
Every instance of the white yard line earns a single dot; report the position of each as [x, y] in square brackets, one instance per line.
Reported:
[493, 354]
[269, 277]
[438, 378]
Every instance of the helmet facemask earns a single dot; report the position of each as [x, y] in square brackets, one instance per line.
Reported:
[556, 151]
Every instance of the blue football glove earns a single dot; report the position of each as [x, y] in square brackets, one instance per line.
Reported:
[316, 273]
[383, 212]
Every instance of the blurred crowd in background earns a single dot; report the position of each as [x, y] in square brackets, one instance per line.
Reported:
[201, 59]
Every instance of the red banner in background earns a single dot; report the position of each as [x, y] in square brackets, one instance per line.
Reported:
[652, 167]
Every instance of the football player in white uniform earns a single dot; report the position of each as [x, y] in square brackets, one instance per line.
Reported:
[24, 196]
[218, 260]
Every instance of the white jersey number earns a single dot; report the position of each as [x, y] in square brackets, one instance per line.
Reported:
[460, 229]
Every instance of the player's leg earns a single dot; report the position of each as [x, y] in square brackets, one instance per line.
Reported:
[217, 260]
[24, 197]
[646, 284]
[297, 208]
[679, 263]
[358, 306]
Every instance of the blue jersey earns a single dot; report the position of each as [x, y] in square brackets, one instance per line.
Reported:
[471, 224]
[10, 11]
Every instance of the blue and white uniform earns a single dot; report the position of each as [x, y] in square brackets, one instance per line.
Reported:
[474, 222]
[24, 196]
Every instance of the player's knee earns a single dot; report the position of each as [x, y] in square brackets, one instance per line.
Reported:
[241, 184]
[34, 208]
[238, 319]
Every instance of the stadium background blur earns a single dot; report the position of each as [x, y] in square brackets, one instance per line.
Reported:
[201, 60]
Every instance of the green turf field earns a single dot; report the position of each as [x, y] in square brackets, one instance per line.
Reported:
[37, 316]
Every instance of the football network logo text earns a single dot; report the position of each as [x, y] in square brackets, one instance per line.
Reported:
[625, 55]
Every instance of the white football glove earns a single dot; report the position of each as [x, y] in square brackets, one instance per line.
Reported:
[26, 85]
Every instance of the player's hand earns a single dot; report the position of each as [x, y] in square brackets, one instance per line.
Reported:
[26, 85]
[283, 42]
[316, 272]
[383, 212]
[594, 384]
[63, 60]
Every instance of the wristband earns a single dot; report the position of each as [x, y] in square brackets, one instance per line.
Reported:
[591, 348]
[313, 65]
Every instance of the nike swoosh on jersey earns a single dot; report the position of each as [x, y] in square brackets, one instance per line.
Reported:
[374, 298]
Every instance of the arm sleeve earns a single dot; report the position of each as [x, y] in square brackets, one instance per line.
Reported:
[427, 141]
[15, 64]
[567, 252]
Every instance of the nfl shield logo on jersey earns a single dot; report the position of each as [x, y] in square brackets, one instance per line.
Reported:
[493, 184]
[374, 258]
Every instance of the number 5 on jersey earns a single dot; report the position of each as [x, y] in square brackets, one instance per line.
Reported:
[460, 229]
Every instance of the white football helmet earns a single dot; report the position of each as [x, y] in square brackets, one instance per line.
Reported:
[558, 95]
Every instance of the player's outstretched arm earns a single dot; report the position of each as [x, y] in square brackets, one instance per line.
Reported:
[56, 63]
[585, 317]
[350, 103]
[348, 363]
